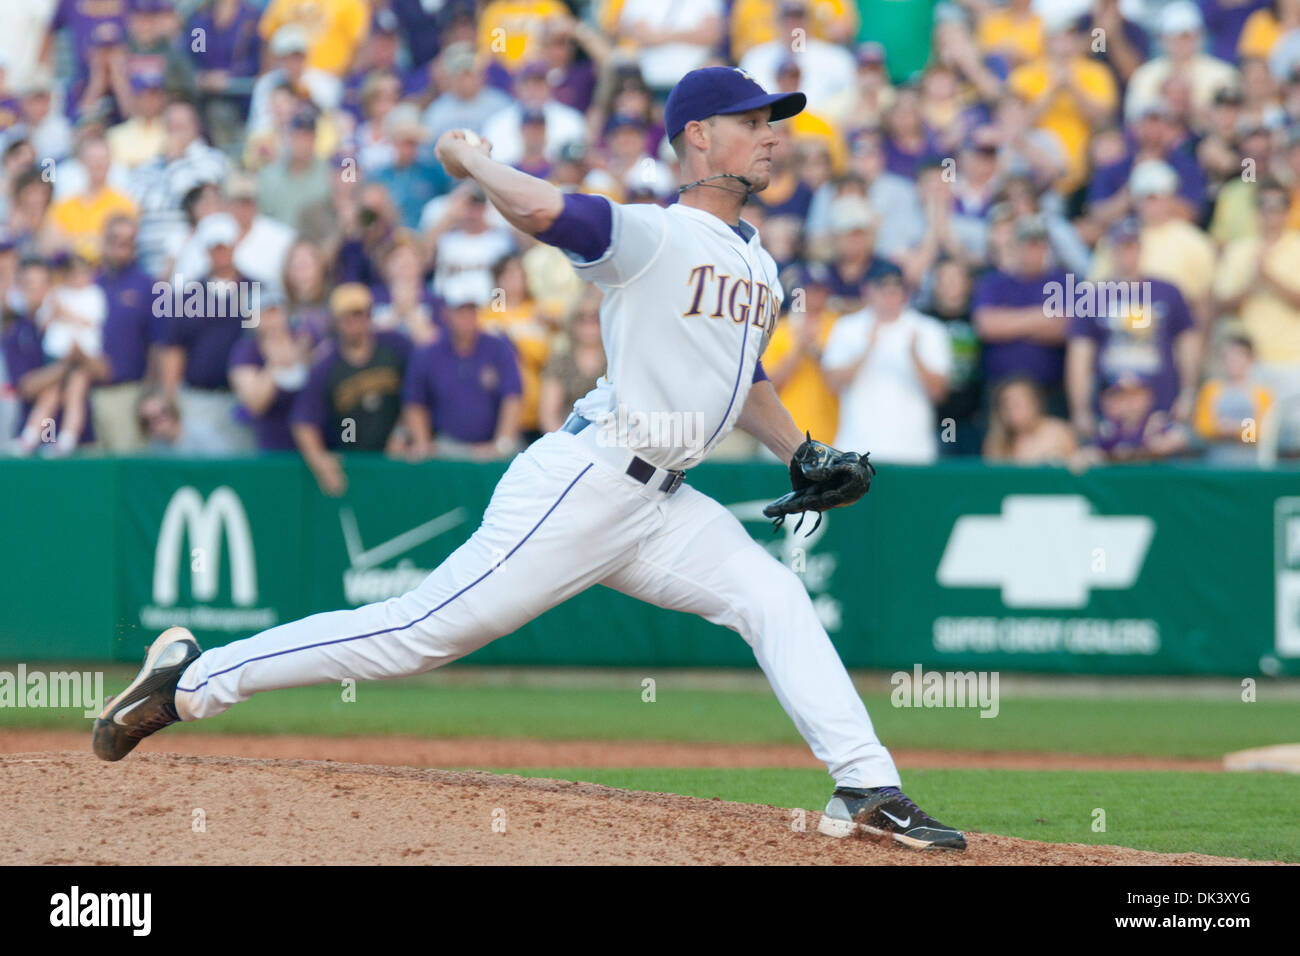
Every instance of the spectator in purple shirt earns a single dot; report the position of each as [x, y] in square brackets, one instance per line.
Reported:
[1224, 20]
[419, 26]
[133, 337]
[267, 371]
[1128, 45]
[78, 21]
[366, 237]
[1148, 334]
[908, 142]
[1019, 333]
[379, 54]
[462, 393]
[573, 80]
[1156, 135]
[353, 396]
[195, 360]
[227, 66]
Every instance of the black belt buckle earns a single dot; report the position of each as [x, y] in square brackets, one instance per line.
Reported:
[643, 471]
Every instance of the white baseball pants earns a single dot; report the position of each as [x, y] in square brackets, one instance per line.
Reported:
[565, 516]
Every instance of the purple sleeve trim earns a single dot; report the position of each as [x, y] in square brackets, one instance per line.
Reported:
[760, 373]
[584, 227]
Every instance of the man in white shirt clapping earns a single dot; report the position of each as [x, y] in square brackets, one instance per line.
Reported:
[890, 365]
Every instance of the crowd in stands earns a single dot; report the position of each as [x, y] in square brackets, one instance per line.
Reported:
[1042, 232]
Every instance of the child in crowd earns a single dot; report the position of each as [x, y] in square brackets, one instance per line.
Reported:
[1130, 427]
[71, 320]
[1231, 406]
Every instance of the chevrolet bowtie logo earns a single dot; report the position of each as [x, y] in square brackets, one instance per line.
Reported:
[1045, 551]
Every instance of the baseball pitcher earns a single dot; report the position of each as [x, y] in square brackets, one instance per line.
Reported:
[691, 299]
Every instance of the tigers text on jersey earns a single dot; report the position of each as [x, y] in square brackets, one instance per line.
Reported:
[689, 306]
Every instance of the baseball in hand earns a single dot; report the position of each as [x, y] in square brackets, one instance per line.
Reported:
[451, 142]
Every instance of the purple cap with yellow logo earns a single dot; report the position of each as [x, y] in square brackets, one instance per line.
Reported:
[720, 91]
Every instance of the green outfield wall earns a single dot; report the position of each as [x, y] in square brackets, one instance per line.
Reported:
[1140, 570]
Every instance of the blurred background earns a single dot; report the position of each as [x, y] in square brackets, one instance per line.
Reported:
[225, 236]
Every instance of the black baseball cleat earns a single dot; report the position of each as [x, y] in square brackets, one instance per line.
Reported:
[887, 811]
[149, 702]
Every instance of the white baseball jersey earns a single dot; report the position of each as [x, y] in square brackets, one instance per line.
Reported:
[689, 307]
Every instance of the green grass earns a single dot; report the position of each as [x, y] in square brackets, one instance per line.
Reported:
[420, 707]
[1241, 815]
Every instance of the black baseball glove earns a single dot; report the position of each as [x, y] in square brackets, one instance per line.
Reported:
[823, 478]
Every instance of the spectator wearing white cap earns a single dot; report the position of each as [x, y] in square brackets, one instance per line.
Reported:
[466, 238]
[197, 354]
[288, 46]
[853, 225]
[1172, 248]
[39, 122]
[466, 101]
[1182, 36]
[504, 130]
[263, 242]
[461, 396]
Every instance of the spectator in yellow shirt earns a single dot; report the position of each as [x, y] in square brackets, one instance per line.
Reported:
[793, 357]
[1293, 168]
[1014, 32]
[512, 313]
[511, 31]
[1172, 248]
[755, 21]
[1265, 27]
[141, 138]
[1069, 95]
[1259, 280]
[80, 219]
[335, 29]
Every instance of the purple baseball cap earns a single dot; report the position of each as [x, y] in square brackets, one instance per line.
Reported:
[720, 91]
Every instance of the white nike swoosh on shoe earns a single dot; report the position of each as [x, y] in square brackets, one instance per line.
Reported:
[117, 718]
[902, 823]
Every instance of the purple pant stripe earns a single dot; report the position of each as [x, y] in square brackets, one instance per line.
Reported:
[390, 630]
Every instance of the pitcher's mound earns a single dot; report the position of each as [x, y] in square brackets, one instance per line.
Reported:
[69, 808]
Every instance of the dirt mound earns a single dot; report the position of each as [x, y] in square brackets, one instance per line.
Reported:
[172, 809]
[516, 753]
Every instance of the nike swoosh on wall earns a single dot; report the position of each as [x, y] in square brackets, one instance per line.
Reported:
[361, 558]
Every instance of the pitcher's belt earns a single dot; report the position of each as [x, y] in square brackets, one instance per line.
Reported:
[638, 468]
